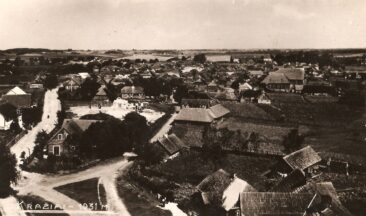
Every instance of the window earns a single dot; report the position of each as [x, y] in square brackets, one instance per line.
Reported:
[59, 136]
[56, 150]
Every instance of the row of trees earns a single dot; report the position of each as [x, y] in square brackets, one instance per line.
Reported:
[112, 137]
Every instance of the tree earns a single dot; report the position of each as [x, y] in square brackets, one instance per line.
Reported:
[213, 139]
[88, 89]
[9, 111]
[31, 116]
[151, 153]
[293, 141]
[180, 93]
[51, 81]
[8, 170]
[137, 130]
[201, 58]
[40, 143]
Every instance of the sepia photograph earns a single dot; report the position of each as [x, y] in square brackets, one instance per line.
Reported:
[183, 107]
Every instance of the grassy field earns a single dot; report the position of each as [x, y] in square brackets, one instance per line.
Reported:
[270, 131]
[31, 200]
[191, 167]
[138, 201]
[247, 110]
[86, 192]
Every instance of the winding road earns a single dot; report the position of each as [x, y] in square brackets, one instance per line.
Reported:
[43, 185]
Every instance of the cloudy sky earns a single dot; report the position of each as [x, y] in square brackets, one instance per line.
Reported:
[182, 24]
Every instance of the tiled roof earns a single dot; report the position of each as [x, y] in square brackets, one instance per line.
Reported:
[302, 159]
[269, 203]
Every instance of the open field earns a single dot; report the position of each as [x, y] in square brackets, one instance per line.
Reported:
[86, 192]
[272, 132]
[247, 110]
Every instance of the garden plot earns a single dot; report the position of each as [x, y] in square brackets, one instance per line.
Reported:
[150, 115]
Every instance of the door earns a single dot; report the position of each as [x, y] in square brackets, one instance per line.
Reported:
[56, 150]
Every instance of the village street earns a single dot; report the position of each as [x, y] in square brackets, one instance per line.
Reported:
[42, 185]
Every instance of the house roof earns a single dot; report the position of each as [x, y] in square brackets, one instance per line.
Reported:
[291, 182]
[16, 91]
[218, 111]
[270, 203]
[292, 73]
[256, 72]
[132, 90]
[276, 78]
[171, 143]
[326, 189]
[222, 189]
[75, 126]
[101, 91]
[302, 159]
[18, 100]
[194, 115]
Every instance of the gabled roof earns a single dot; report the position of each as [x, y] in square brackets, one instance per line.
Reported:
[101, 91]
[75, 126]
[326, 189]
[132, 90]
[218, 111]
[194, 115]
[292, 73]
[269, 203]
[16, 91]
[302, 159]
[276, 78]
[171, 143]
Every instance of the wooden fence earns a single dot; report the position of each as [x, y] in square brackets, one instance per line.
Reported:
[16, 138]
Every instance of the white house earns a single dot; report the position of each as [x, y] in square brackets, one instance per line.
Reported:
[4, 124]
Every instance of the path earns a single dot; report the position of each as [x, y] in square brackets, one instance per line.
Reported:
[51, 106]
[164, 130]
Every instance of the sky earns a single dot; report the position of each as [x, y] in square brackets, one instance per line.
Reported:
[182, 24]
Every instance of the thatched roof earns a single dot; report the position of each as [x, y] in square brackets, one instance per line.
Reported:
[218, 111]
[269, 203]
[276, 78]
[199, 115]
[171, 143]
[292, 73]
[322, 189]
[302, 159]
